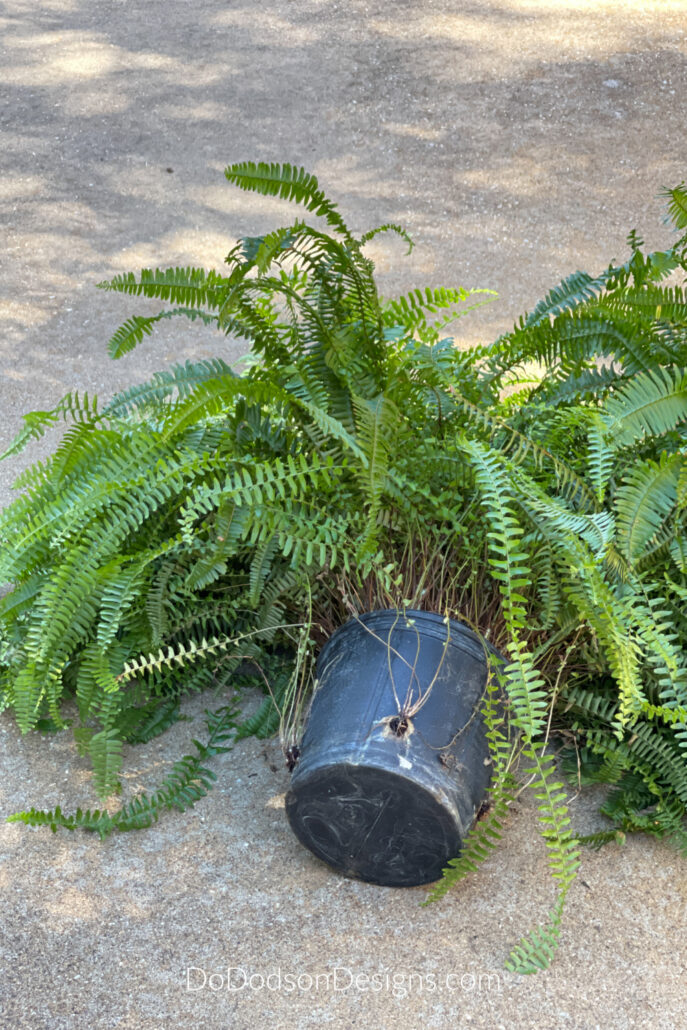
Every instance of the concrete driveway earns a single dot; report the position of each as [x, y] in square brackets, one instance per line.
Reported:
[516, 141]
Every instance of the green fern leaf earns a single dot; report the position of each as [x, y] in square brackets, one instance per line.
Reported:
[289, 183]
[569, 294]
[644, 501]
[105, 750]
[150, 721]
[677, 206]
[387, 227]
[536, 951]
[650, 404]
[596, 841]
[600, 455]
[188, 287]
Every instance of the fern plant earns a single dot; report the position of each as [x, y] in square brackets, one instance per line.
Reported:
[207, 517]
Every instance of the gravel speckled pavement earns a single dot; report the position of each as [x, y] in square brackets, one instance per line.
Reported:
[517, 140]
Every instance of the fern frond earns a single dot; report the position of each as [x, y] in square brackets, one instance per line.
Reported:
[411, 310]
[289, 183]
[178, 381]
[483, 838]
[536, 951]
[132, 332]
[189, 287]
[387, 227]
[96, 821]
[601, 454]
[105, 751]
[590, 384]
[189, 781]
[36, 423]
[508, 562]
[644, 500]
[138, 725]
[596, 841]
[377, 421]
[650, 404]
[485, 833]
[568, 295]
[677, 205]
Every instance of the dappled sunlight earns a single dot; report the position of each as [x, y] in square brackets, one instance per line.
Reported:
[471, 114]
[625, 8]
[350, 174]
[522, 177]
[55, 239]
[272, 28]
[186, 247]
[225, 200]
[87, 101]
[69, 904]
[78, 217]
[22, 314]
[202, 111]
[28, 7]
[20, 187]
[415, 129]
[393, 264]
[62, 58]
[522, 33]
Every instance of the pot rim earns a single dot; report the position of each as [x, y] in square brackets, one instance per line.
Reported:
[427, 622]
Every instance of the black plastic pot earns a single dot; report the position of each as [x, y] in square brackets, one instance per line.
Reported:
[385, 791]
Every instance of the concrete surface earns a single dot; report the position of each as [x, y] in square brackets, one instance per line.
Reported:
[516, 141]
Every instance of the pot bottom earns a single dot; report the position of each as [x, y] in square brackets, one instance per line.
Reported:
[373, 824]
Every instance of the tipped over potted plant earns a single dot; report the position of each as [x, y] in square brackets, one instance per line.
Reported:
[363, 460]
